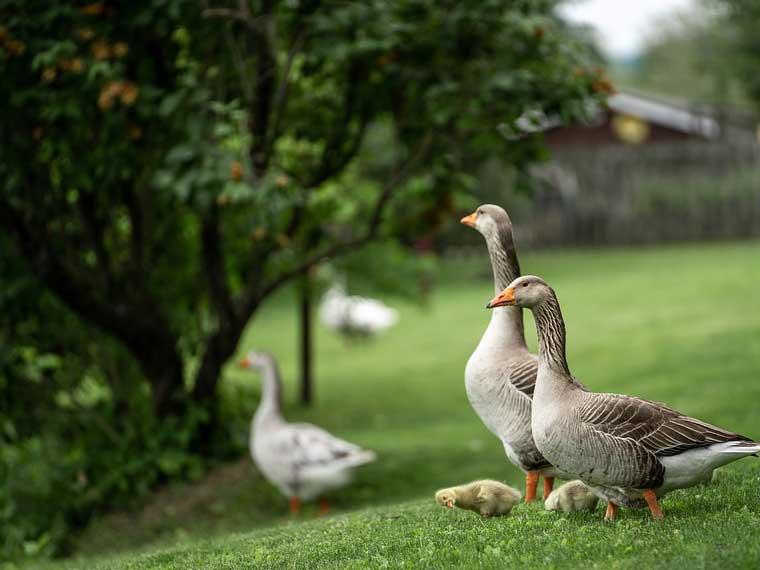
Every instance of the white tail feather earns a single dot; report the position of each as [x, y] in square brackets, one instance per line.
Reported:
[742, 449]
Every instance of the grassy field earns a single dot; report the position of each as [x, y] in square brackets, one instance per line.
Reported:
[677, 324]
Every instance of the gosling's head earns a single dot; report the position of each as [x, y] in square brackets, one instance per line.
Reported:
[446, 498]
[256, 359]
[527, 291]
[490, 220]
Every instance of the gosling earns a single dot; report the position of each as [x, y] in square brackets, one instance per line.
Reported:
[487, 498]
[572, 497]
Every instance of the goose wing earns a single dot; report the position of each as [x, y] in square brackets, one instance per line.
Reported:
[523, 374]
[310, 446]
[653, 426]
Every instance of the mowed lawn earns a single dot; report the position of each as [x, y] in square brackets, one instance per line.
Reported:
[677, 324]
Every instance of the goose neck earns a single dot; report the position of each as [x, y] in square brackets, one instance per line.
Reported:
[506, 268]
[271, 394]
[551, 337]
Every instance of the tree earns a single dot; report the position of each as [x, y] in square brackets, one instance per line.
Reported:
[690, 56]
[167, 166]
[741, 18]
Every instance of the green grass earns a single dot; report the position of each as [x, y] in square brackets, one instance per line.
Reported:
[679, 324]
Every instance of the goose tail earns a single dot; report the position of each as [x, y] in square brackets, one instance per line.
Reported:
[742, 448]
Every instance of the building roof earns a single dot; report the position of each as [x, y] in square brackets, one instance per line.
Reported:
[649, 109]
[664, 114]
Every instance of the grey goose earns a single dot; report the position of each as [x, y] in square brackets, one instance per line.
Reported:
[628, 450]
[500, 375]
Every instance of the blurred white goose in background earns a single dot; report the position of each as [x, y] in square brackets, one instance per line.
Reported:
[301, 460]
[352, 316]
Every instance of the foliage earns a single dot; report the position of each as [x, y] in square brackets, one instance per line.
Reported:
[166, 166]
[742, 17]
[691, 56]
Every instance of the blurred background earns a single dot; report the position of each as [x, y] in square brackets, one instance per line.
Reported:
[185, 181]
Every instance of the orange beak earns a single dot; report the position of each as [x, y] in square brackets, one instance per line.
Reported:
[450, 504]
[469, 220]
[245, 363]
[504, 299]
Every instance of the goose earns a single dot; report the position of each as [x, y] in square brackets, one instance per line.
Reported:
[628, 450]
[301, 460]
[352, 315]
[500, 375]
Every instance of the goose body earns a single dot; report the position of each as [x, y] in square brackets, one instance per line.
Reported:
[300, 459]
[628, 450]
[352, 315]
[500, 375]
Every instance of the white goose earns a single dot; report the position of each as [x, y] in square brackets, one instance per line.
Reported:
[628, 450]
[501, 374]
[355, 316]
[301, 460]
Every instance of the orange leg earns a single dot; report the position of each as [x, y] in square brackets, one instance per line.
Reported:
[295, 505]
[531, 482]
[611, 513]
[548, 486]
[654, 506]
[324, 507]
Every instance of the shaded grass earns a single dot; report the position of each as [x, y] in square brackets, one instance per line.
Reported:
[679, 324]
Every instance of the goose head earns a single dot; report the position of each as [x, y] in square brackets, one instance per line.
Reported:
[255, 359]
[489, 220]
[527, 291]
[446, 498]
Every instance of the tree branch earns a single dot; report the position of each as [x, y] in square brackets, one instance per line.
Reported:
[266, 68]
[214, 267]
[242, 16]
[370, 232]
[281, 97]
[95, 230]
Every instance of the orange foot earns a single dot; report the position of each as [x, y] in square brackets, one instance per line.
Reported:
[548, 486]
[654, 506]
[611, 513]
[295, 505]
[531, 482]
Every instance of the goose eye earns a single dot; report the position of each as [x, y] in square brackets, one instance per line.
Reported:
[525, 284]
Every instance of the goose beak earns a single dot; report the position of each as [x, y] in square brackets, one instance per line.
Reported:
[469, 220]
[449, 504]
[504, 299]
[245, 363]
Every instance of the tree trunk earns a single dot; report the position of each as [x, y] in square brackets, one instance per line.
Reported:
[162, 365]
[306, 340]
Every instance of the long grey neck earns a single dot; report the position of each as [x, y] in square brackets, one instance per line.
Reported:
[506, 269]
[271, 396]
[551, 337]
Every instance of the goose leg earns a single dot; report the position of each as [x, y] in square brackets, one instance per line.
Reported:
[324, 507]
[548, 486]
[611, 513]
[295, 505]
[531, 482]
[654, 506]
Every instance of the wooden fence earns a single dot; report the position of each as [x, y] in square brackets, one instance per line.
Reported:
[626, 194]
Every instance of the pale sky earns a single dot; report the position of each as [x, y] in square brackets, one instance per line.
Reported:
[622, 25]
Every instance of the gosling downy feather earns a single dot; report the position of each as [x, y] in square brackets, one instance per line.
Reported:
[572, 497]
[485, 497]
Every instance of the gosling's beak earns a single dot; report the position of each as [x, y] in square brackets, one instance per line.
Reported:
[449, 504]
[504, 299]
[245, 363]
[469, 220]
